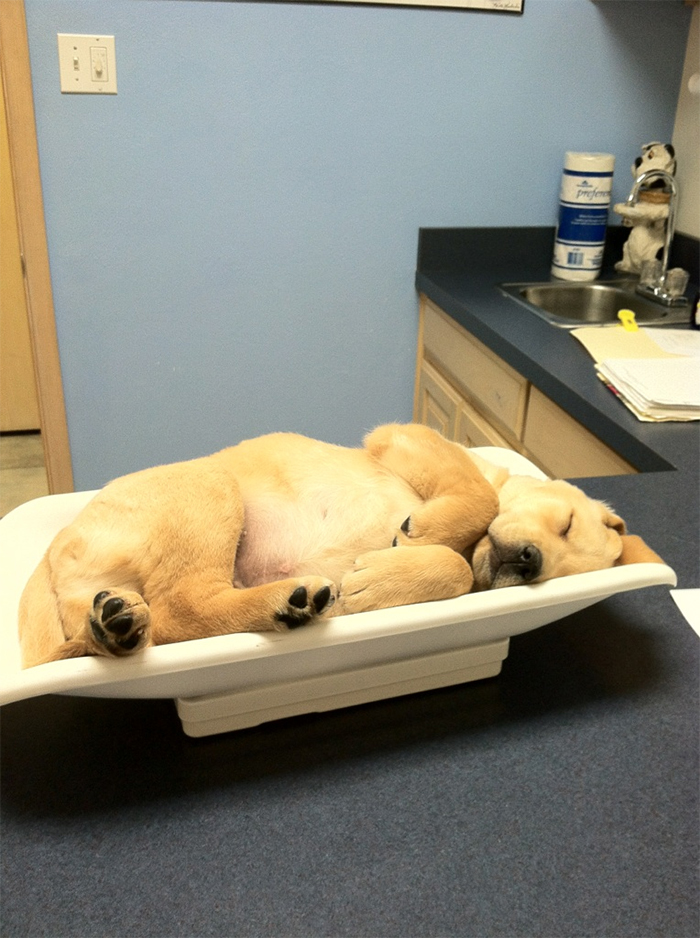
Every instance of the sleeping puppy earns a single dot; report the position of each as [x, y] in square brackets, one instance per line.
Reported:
[543, 529]
[281, 529]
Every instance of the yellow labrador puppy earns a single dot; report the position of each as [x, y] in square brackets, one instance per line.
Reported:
[280, 529]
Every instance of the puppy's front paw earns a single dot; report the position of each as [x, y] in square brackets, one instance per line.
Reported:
[312, 597]
[398, 576]
[120, 622]
[374, 582]
[402, 536]
[412, 534]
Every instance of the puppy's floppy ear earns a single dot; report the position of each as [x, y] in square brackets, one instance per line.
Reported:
[611, 520]
[634, 550]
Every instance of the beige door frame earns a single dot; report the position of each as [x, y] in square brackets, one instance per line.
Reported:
[24, 161]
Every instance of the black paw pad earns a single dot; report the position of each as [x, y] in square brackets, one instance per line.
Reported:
[99, 632]
[112, 607]
[292, 619]
[321, 598]
[120, 625]
[299, 598]
[131, 642]
[293, 623]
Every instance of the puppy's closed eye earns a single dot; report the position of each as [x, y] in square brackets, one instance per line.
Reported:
[565, 531]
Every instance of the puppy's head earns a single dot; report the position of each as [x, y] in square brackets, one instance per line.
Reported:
[545, 529]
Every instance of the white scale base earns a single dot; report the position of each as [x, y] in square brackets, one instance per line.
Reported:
[221, 713]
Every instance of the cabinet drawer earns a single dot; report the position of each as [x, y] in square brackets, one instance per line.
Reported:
[490, 382]
[564, 448]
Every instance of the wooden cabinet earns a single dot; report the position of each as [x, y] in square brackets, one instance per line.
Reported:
[440, 406]
[472, 396]
[483, 376]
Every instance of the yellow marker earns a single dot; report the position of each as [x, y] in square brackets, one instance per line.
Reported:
[626, 317]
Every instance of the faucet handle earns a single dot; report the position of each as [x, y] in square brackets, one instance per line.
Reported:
[650, 274]
[676, 281]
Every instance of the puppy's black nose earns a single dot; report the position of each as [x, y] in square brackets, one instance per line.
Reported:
[529, 562]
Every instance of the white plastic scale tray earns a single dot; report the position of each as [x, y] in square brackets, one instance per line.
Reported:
[234, 681]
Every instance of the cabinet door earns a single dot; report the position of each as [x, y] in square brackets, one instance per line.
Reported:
[436, 402]
[563, 447]
[473, 430]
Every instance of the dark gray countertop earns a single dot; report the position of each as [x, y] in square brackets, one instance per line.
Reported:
[559, 799]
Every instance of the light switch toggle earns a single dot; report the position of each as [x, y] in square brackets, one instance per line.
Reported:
[98, 63]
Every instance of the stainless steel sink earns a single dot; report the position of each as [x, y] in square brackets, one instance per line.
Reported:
[570, 305]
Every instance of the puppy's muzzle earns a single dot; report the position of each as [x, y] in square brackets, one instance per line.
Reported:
[516, 562]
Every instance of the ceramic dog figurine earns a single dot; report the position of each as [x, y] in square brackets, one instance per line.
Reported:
[647, 217]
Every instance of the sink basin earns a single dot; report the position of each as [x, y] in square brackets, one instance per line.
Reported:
[570, 305]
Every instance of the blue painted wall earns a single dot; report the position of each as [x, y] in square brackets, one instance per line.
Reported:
[233, 236]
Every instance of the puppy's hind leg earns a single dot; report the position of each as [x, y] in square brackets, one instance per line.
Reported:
[459, 503]
[203, 605]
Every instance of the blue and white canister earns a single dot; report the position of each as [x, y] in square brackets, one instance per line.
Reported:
[584, 200]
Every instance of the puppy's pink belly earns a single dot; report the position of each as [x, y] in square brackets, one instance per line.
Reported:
[284, 539]
[275, 555]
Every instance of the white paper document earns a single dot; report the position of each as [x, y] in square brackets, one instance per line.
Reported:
[671, 381]
[656, 387]
[676, 341]
[688, 601]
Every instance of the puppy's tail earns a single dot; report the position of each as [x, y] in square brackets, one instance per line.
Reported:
[41, 635]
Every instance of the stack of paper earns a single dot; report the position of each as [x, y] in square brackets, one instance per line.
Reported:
[660, 388]
[655, 372]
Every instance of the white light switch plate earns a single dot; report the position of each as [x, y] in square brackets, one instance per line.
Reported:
[87, 64]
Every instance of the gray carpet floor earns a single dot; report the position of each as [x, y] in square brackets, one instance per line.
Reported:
[559, 799]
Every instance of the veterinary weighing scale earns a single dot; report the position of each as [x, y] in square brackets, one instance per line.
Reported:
[234, 681]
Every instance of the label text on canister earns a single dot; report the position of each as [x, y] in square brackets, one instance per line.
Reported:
[586, 188]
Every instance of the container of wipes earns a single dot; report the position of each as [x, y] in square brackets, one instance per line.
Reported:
[584, 200]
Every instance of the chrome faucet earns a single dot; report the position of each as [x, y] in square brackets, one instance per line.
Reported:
[658, 291]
